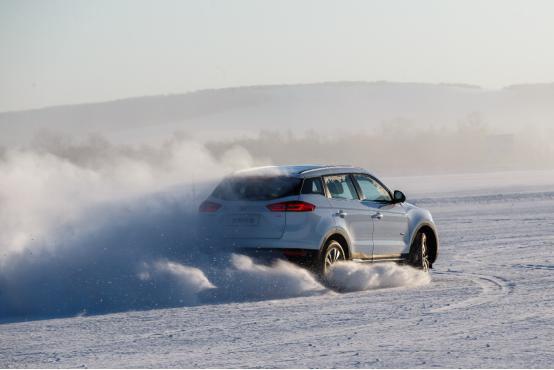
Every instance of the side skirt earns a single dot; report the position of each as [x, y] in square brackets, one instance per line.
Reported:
[400, 258]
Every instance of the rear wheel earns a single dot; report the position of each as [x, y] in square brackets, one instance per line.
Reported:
[419, 252]
[332, 253]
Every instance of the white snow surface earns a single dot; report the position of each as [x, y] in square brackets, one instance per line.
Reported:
[488, 302]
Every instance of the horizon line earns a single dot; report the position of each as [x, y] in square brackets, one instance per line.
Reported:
[137, 97]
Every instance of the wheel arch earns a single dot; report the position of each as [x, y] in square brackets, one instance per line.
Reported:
[433, 239]
[341, 237]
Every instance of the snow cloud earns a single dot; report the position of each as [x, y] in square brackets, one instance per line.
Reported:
[52, 184]
[351, 276]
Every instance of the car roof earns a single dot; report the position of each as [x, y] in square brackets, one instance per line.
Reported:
[301, 171]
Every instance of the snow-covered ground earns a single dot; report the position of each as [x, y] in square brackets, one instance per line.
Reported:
[490, 303]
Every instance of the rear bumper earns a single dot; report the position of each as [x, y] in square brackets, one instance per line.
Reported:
[234, 244]
[303, 257]
[262, 250]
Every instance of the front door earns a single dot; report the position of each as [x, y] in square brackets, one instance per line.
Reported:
[390, 222]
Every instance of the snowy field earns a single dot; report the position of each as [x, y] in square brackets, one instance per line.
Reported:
[489, 303]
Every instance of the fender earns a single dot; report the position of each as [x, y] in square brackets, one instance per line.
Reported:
[340, 231]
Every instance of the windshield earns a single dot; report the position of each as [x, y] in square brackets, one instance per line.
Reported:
[257, 188]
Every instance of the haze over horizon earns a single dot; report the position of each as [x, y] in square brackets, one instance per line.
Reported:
[66, 52]
[277, 85]
[272, 78]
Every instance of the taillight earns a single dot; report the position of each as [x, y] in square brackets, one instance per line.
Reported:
[208, 206]
[292, 206]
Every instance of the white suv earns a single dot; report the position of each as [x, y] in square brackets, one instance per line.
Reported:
[315, 216]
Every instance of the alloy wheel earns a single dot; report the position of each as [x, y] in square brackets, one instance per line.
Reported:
[334, 254]
[423, 253]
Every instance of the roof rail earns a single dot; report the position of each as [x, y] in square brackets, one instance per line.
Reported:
[326, 168]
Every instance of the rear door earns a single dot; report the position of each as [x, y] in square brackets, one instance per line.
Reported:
[351, 214]
[390, 222]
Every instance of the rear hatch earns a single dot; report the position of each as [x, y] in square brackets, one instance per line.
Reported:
[252, 220]
[244, 200]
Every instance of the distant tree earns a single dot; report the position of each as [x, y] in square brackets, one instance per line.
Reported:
[473, 124]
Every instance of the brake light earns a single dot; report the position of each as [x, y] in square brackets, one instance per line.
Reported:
[292, 206]
[208, 206]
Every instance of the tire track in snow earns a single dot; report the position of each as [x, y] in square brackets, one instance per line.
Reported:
[534, 267]
[492, 289]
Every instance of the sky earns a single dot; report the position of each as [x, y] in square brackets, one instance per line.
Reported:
[75, 51]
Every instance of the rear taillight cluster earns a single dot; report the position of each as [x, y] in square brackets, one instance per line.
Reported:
[292, 206]
[208, 206]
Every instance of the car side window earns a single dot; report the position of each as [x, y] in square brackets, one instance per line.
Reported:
[312, 186]
[371, 189]
[341, 187]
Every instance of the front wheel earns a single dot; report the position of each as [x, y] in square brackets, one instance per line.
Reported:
[419, 252]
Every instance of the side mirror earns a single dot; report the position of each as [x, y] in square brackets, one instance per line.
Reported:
[399, 196]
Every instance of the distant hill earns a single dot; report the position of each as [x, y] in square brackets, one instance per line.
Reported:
[325, 107]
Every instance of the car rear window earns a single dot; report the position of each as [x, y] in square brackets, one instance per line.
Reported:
[312, 186]
[257, 188]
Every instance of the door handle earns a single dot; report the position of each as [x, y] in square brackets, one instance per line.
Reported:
[342, 214]
[377, 215]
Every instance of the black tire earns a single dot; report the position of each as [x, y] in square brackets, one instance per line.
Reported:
[332, 252]
[419, 252]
